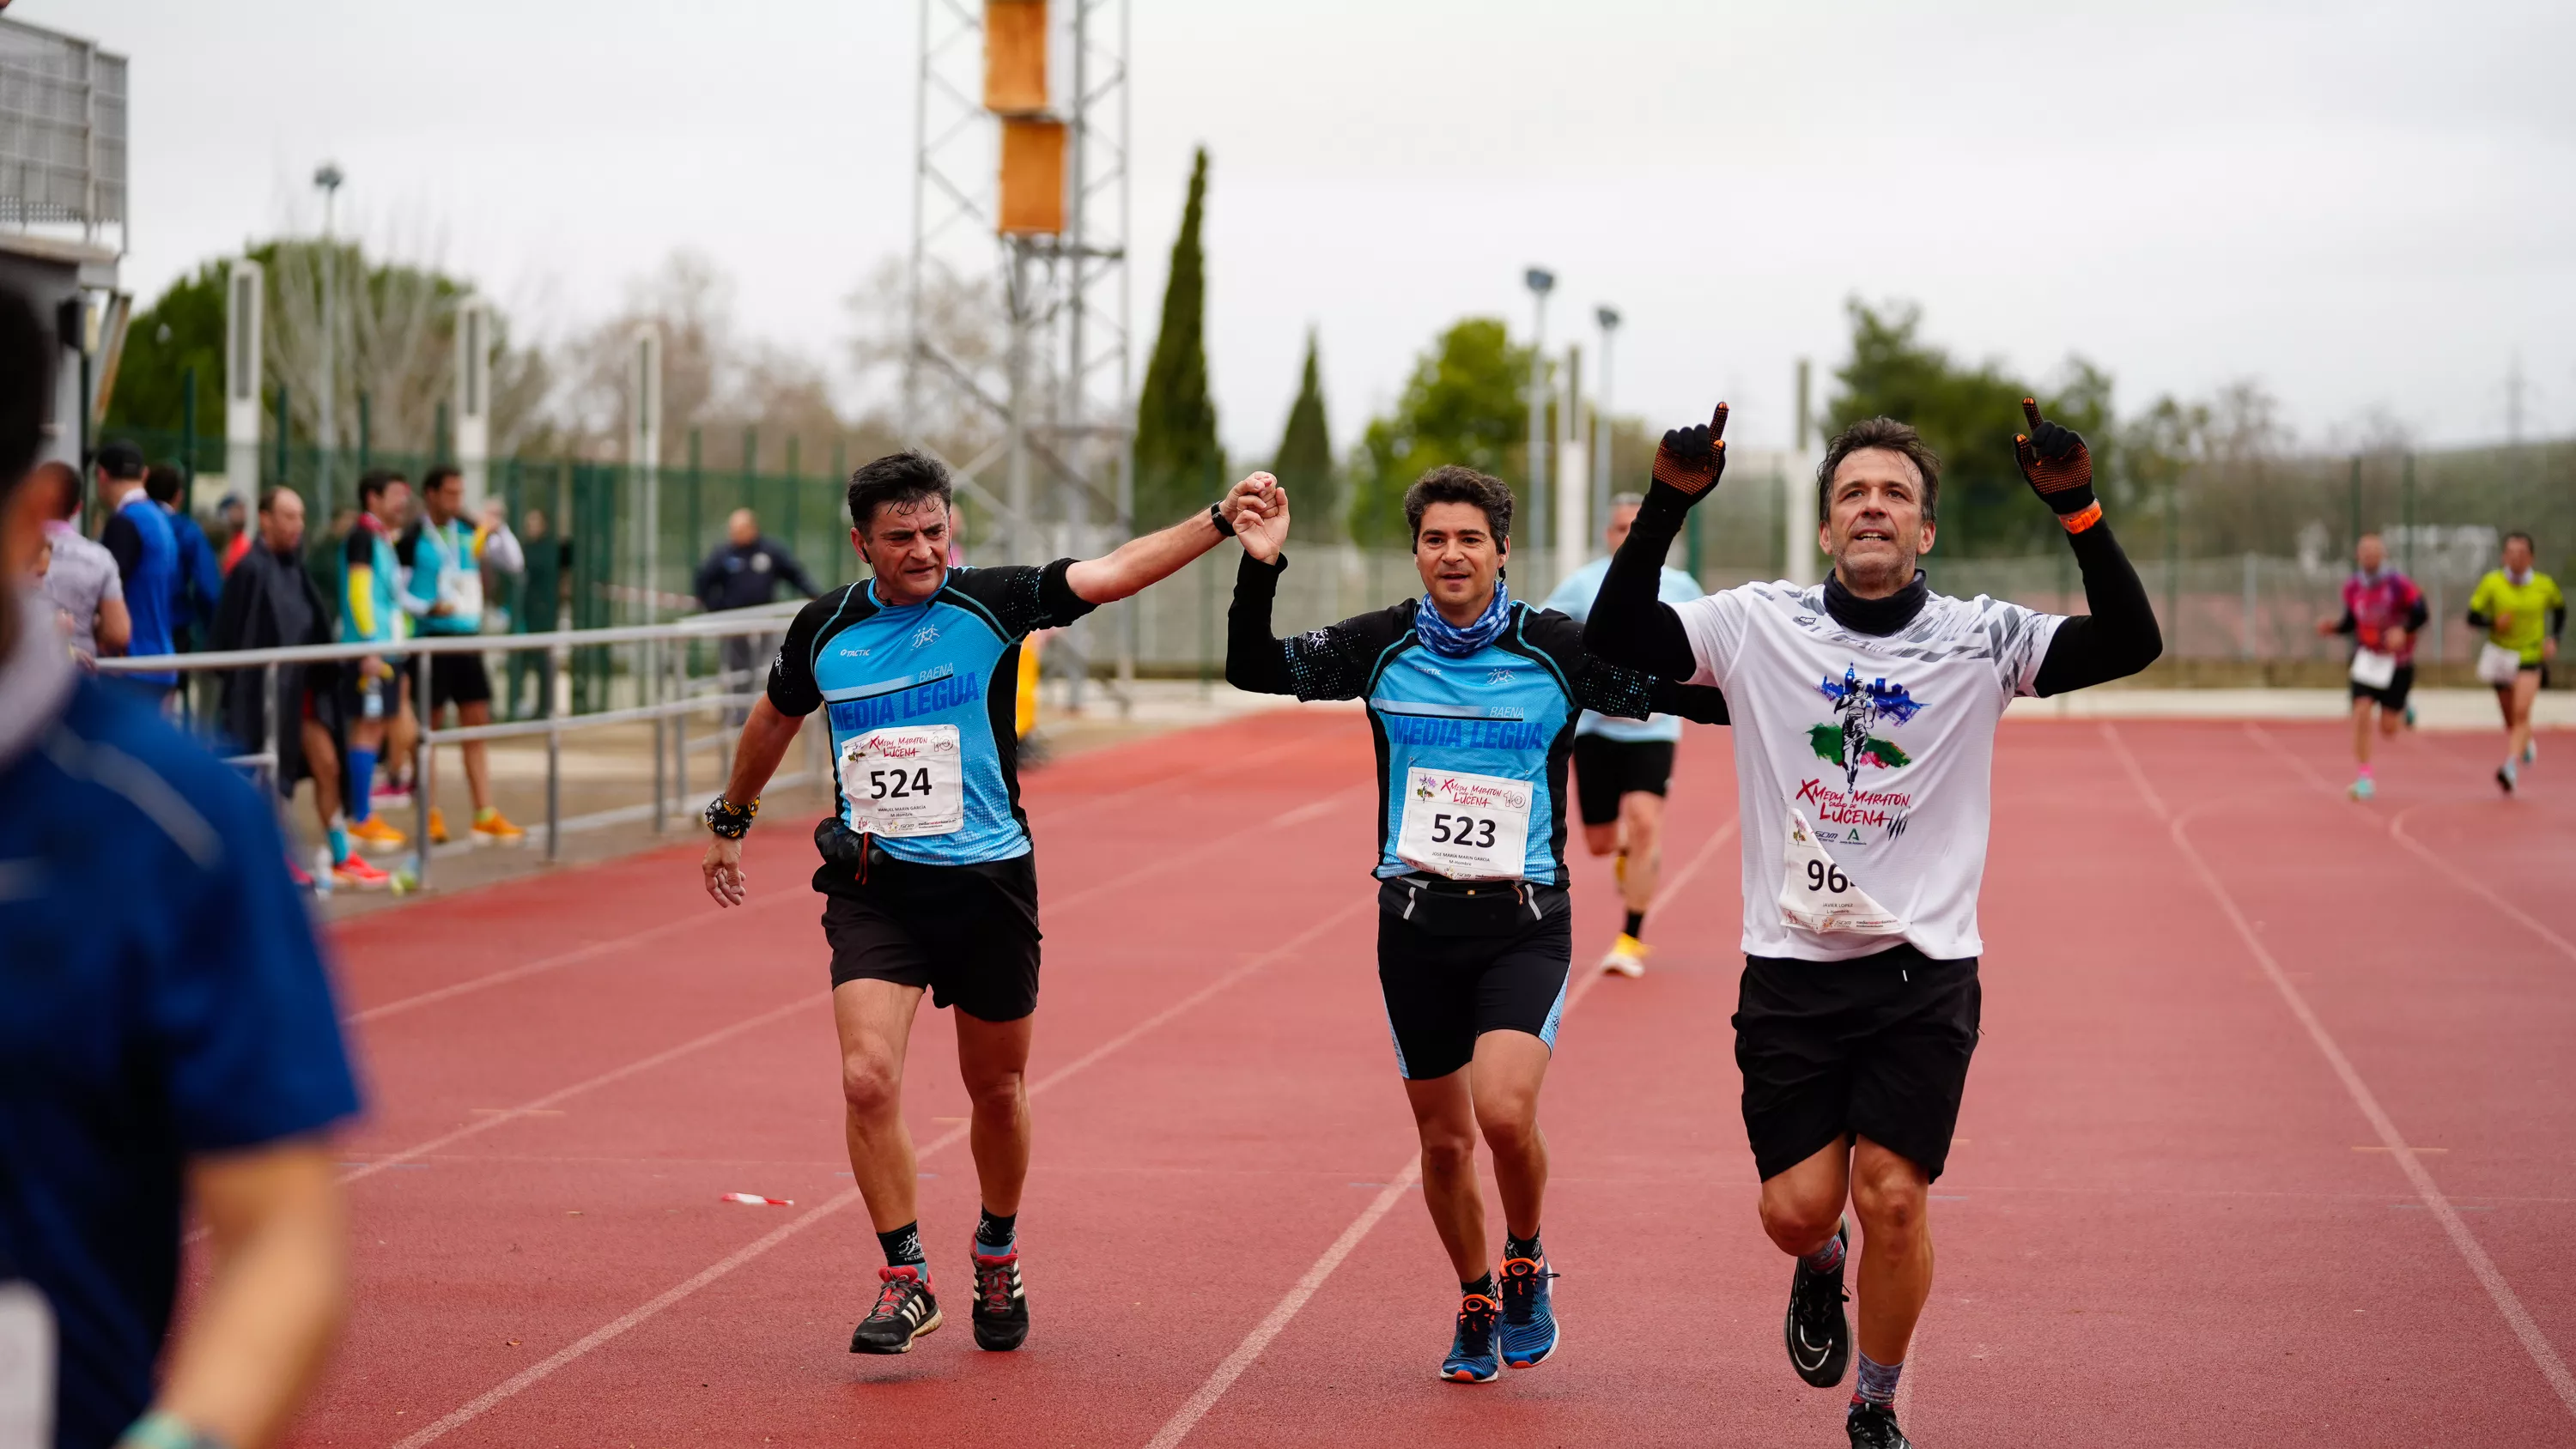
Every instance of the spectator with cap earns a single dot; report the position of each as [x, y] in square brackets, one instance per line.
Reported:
[83, 582]
[138, 533]
[235, 520]
[745, 572]
[169, 1049]
[201, 578]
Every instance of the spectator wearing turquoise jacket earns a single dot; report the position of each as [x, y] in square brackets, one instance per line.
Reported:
[1622, 767]
[371, 613]
[448, 558]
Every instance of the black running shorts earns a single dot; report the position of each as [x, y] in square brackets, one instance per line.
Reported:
[1454, 967]
[1605, 769]
[457, 679]
[1877, 1047]
[968, 934]
[2391, 695]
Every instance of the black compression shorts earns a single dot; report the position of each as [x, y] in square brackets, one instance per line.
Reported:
[1605, 769]
[1455, 966]
[2391, 695]
[1877, 1047]
[457, 679]
[968, 934]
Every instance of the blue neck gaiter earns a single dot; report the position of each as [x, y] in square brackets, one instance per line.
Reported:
[1442, 637]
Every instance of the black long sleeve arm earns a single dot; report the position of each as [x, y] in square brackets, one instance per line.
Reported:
[1628, 624]
[1329, 663]
[2119, 637]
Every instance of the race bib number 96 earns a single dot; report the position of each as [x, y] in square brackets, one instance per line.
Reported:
[1816, 896]
[1465, 827]
[904, 781]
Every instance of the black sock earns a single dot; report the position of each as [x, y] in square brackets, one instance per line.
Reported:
[1521, 1247]
[1636, 925]
[1484, 1285]
[996, 1230]
[903, 1246]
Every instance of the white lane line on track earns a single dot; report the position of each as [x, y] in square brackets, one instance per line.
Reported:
[528, 1377]
[561, 958]
[579, 954]
[2395, 826]
[2534, 1342]
[1276, 1321]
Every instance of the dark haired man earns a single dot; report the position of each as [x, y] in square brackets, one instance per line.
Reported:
[444, 558]
[138, 535]
[371, 613]
[929, 878]
[83, 582]
[169, 1051]
[1472, 700]
[200, 583]
[1865, 715]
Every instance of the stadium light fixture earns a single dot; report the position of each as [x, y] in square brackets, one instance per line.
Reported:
[1540, 281]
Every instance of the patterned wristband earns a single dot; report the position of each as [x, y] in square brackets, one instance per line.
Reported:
[2083, 519]
[160, 1430]
[729, 820]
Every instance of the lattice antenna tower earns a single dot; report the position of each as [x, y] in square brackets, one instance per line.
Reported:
[1020, 184]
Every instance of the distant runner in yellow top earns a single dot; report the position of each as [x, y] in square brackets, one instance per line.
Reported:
[2522, 610]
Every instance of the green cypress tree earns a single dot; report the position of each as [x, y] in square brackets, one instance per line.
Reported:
[1304, 463]
[1178, 460]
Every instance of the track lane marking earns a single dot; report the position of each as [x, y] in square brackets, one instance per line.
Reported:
[1276, 1321]
[2395, 829]
[530, 1376]
[2543, 1356]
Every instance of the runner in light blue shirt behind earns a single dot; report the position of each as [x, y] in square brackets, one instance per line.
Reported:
[1621, 766]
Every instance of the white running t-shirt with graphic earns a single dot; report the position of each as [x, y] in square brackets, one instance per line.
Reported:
[1883, 746]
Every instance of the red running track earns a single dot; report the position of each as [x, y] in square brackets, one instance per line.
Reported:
[2268, 1140]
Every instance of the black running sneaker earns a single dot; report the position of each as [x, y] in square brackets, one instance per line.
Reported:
[905, 1311]
[1001, 1312]
[1873, 1426]
[1818, 1332]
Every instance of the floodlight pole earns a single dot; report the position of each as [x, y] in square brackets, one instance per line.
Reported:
[1540, 281]
[328, 177]
[1602, 487]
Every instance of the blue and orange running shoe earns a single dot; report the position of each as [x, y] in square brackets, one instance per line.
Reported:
[1529, 1318]
[1472, 1359]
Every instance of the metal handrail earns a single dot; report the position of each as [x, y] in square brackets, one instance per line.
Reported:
[668, 754]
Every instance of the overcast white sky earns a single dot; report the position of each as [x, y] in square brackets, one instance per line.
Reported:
[2366, 206]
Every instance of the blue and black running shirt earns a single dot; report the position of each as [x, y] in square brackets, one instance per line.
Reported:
[1505, 713]
[944, 670]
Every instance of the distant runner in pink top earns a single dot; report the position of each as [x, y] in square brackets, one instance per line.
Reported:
[2382, 610]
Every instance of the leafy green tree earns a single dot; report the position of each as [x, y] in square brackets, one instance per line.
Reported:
[1465, 403]
[182, 329]
[1178, 459]
[1304, 463]
[1968, 413]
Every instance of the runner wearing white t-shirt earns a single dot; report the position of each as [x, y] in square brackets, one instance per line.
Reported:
[1865, 714]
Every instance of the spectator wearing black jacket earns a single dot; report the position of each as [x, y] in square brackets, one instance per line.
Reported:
[744, 573]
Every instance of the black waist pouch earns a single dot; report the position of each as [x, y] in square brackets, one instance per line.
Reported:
[1441, 907]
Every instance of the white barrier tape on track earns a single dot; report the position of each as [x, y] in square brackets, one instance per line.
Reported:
[2543, 1356]
[1276, 1321]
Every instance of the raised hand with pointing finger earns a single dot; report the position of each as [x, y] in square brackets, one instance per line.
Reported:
[1688, 463]
[2059, 468]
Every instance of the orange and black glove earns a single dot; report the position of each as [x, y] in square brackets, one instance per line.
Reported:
[2059, 468]
[1687, 465]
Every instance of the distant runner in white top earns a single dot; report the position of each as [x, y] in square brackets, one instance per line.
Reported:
[1623, 767]
[1865, 714]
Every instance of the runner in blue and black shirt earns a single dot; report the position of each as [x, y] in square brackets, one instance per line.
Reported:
[1472, 701]
[929, 878]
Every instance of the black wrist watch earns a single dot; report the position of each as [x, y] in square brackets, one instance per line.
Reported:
[1216, 515]
[729, 820]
